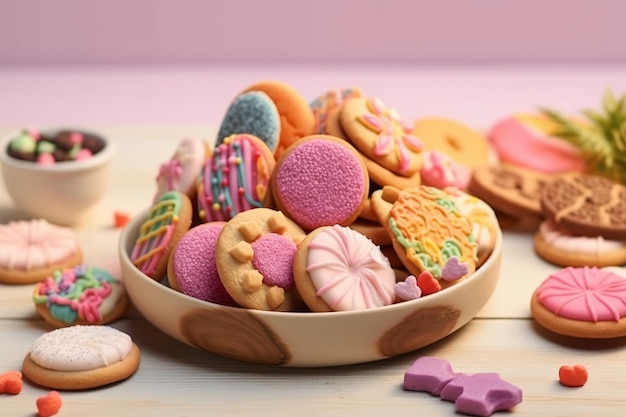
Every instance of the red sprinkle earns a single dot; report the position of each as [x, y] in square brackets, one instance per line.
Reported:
[573, 376]
[121, 219]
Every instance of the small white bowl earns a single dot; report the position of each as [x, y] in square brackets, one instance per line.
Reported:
[306, 339]
[59, 193]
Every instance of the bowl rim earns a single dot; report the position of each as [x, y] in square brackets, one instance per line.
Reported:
[133, 226]
[98, 159]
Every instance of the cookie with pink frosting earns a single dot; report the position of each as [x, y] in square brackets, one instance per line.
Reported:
[441, 171]
[585, 302]
[181, 171]
[191, 268]
[320, 181]
[338, 269]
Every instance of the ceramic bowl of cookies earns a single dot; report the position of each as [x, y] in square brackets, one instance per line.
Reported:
[305, 338]
[56, 174]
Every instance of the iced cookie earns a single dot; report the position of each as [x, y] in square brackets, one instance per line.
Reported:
[32, 250]
[254, 257]
[440, 170]
[235, 178]
[320, 181]
[80, 295]
[183, 168]
[168, 220]
[328, 102]
[339, 269]
[81, 357]
[585, 302]
[586, 204]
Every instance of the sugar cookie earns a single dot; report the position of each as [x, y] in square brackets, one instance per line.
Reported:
[183, 168]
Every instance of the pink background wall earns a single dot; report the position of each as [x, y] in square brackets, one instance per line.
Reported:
[323, 31]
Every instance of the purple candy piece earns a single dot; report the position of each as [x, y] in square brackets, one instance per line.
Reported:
[453, 269]
[429, 374]
[408, 289]
[481, 394]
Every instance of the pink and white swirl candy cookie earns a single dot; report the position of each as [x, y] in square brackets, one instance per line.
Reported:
[81, 357]
[235, 178]
[182, 170]
[80, 295]
[32, 250]
[338, 269]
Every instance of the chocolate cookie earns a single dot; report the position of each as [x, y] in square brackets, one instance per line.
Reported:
[586, 204]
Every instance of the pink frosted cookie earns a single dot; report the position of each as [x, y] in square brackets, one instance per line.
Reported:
[32, 250]
[585, 302]
[182, 170]
[526, 140]
[338, 269]
[191, 268]
[320, 181]
[441, 171]
[235, 178]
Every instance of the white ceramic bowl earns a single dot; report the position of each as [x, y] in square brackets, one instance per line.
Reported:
[306, 339]
[59, 193]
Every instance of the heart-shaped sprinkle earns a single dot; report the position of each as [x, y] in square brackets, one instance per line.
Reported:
[573, 376]
[453, 269]
[408, 289]
[49, 404]
[427, 283]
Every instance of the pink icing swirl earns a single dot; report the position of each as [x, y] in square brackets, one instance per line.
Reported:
[585, 294]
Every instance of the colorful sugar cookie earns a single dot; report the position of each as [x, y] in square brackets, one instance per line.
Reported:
[81, 357]
[463, 144]
[254, 257]
[168, 220]
[586, 302]
[339, 269]
[295, 116]
[255, 113]
[586, 204]
[428, 232]
[182, 170]
[32, 250]
[320, 181]
[191, 268]
[378, 133]
[564, 248]
[80, 295]
[328, 102]
[235, 178]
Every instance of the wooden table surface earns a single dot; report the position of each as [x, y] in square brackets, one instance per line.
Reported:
[177, 380]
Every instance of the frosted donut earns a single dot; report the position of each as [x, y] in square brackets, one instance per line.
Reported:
[32, 250]
[235, 178]
[339, 269]
[180, 173]
[80, 295]
[81, 357]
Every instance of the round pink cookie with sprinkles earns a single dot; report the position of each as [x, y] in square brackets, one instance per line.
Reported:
[320, 181]
[191, 268]
[587, 302]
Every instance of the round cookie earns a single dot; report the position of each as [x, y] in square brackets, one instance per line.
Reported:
[374, 231]
[378, 133]
[80, 295]
[254, 113]
[320, 181]
[254, 257]
[296, 117]
[586, 204]
[428, 232]
[81, 357]
[508, 189]
[168, 220]
[564, 248]
[182, 170]
[460, 142]
[586, 302]
[339, 269]
[328, 102]
[32, 250]
[235, 178]
[192, 269]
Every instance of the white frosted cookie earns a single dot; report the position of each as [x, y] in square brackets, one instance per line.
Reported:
[181, 171]
[81, 357]
[32, 250]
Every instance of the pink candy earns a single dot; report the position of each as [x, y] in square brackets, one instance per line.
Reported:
[479, 394]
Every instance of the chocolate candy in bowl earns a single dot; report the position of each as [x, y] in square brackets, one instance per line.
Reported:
[306, 339]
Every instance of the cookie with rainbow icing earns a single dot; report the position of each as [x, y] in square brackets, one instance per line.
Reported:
[254, 257]
[168, 220]
[428, 232]
[333, 99]
[235, 178]
[80, 295]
